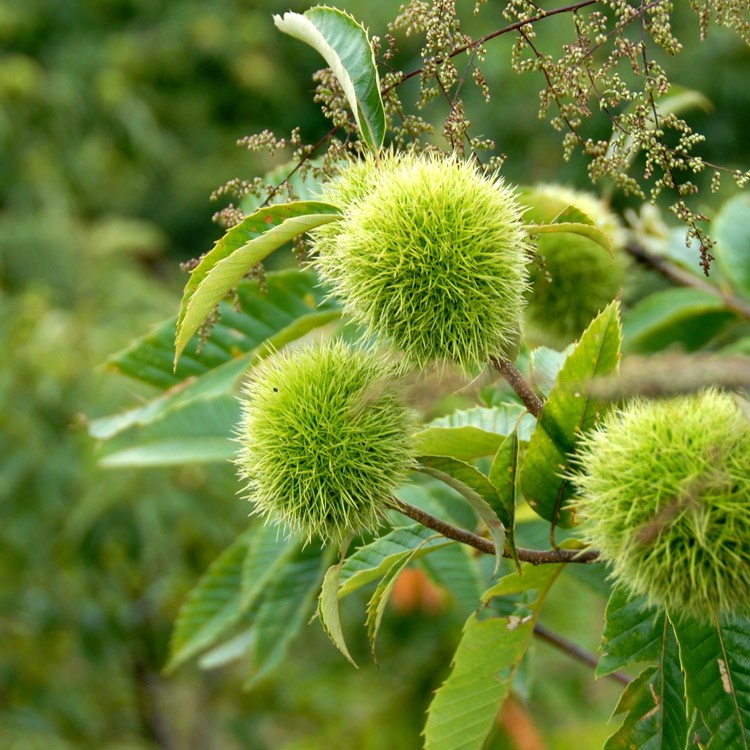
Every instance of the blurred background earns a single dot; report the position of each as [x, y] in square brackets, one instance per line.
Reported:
[118, 118]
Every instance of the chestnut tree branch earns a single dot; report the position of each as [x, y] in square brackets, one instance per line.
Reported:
[679, 275]
[575, 651]
[533, 556]
[517, 382]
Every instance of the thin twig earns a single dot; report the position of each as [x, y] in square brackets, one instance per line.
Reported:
[517, 382]
[685, 278]
[578, 653]
[299, 164]
[617, 28]
[505, 30]
[551, 87]
[533, 556]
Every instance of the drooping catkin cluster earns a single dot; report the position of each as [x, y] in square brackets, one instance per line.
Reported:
[665, 494]
[573, 277]
[430, 256]
[325, 440]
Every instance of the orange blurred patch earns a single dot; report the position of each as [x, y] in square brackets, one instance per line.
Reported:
[519, 726]
[415, 592]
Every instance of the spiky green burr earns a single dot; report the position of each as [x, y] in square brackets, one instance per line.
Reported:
[572, 278]
[665, 494]
[325, 440]
[430, 256]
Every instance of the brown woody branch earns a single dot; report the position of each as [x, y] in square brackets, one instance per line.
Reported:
[517, 382]
[685, 278]
[575, 651]
[533, 556]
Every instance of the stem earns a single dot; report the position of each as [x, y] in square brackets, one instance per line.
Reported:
[575, 651]
[299, 164]
[533, 556]
[685, 278]
[516, 381]
[505, 30]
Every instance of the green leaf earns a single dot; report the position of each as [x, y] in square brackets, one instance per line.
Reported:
[437, 498]
[549, 209]
[716, 661]
[193, 422]
[656, 713]
[470, 433]
[168, 452]
[212, 607]
[574, 214]
[588, 230]
[740, 347]
[343, 44]
[287, 604]
[681, 99]
[698, 736]
[204, 428]
[328, 610]
[267, 553]
[568, 413]
[546, 365]
[503, 475]
[173, 424]
[291, 303]
[464, 708]
[374, 560]
[476, 488]
[379, 599]
[732, 250]
[232, 650]
[237, 252]
[593, 577]
[632, 632]
[689, 317]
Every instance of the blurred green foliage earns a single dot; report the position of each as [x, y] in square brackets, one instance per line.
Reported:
[117, 119]
[93, 565]
[134, 107]
[110, 111]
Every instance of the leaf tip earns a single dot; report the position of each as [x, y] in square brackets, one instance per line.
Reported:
[179, 347]
[282, 21]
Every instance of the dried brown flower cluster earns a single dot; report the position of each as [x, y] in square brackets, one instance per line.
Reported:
[607, 68]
